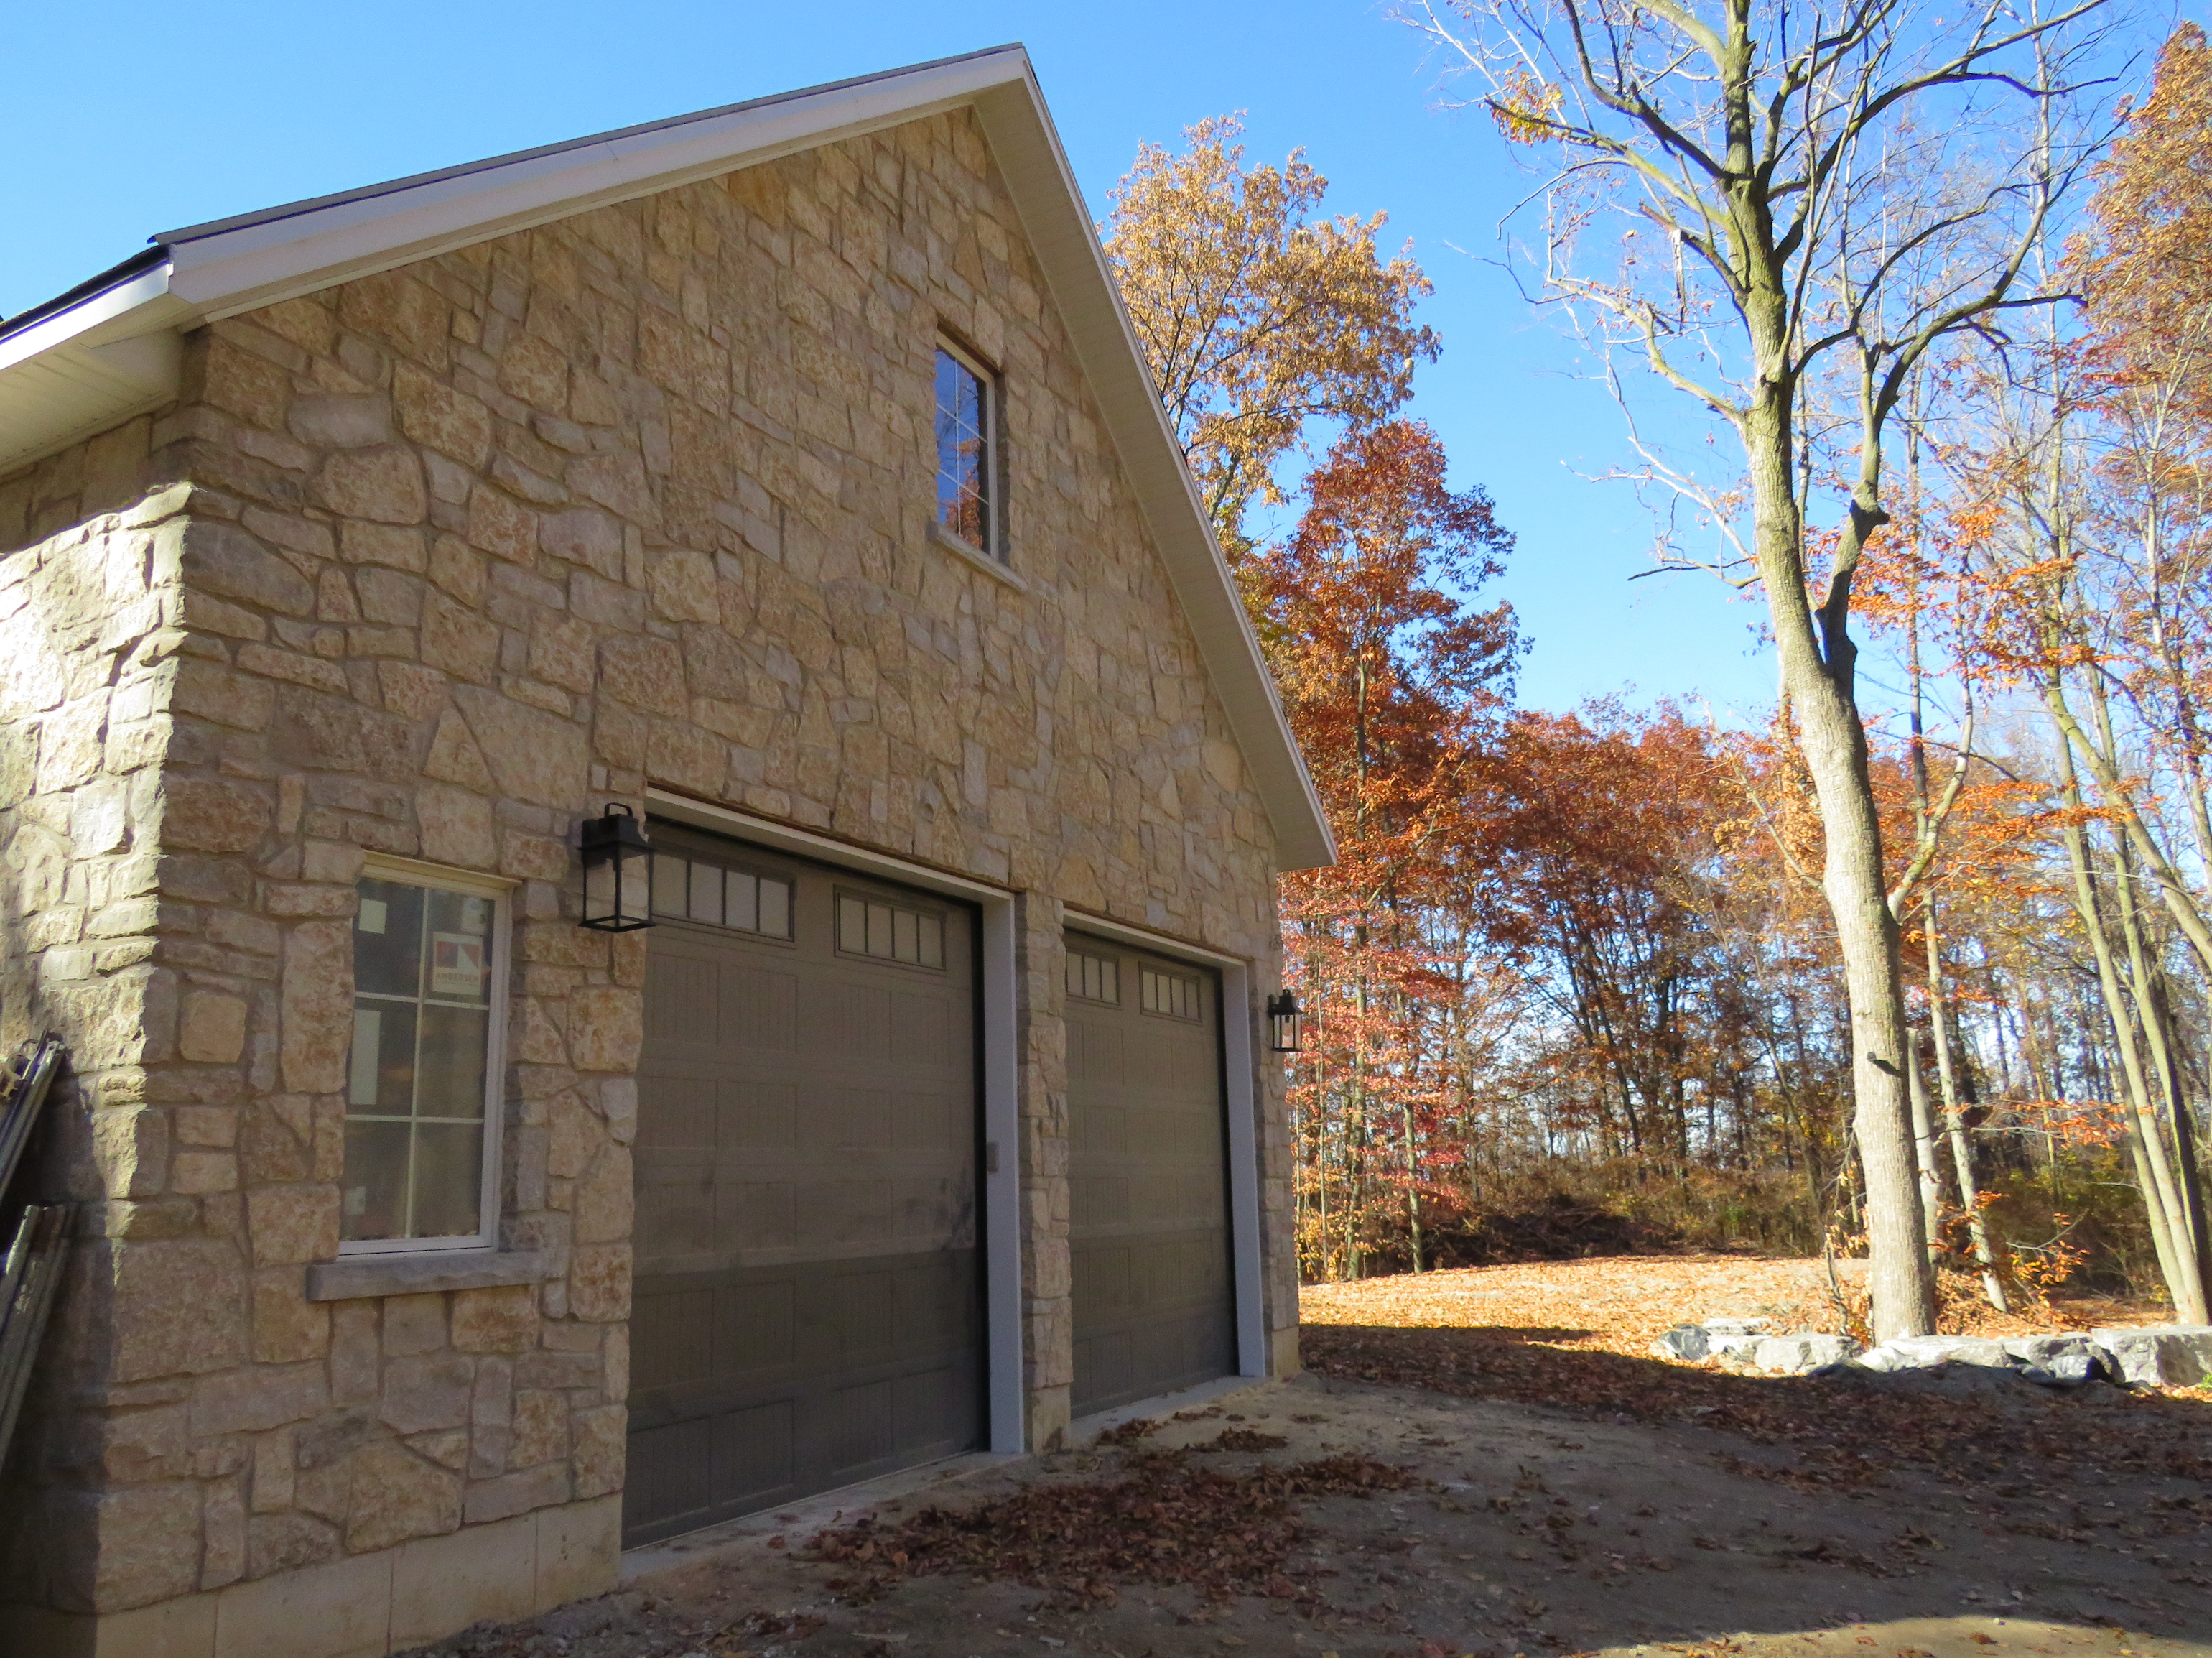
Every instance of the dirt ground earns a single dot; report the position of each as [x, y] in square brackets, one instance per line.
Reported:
[1490, 1462]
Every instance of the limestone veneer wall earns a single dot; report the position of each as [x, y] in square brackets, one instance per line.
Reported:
[435, 563]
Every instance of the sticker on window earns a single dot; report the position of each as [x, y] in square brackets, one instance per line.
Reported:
[457, 966]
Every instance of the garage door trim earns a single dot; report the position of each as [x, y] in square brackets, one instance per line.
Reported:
[1002, 1241]
[1237, 1079]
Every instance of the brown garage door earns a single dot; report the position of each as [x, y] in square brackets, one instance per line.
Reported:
[808, 1297]
[1147, 1175]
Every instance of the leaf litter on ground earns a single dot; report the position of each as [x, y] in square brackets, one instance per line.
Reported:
[1578, 1335]
[1161, 1519]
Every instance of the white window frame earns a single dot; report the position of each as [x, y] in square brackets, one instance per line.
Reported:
[471, 883]
[995, 511]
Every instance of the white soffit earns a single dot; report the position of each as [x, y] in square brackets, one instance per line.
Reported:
[69, 373]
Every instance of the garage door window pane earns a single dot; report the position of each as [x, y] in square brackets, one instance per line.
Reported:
[417, 1077]
[889, 932]
[1171, 994]
[1094, 977]
[690, 890]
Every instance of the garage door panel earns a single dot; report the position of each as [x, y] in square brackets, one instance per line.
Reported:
[1149, 1237]
[808, 1293]
[756, 1117]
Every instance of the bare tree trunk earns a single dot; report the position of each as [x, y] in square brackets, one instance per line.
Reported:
[1818, 682]
[1924, 1152]
[1954, 1120]
[2146, 1158]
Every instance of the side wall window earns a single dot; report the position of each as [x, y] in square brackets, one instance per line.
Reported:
[967, 420]
[422, 1081]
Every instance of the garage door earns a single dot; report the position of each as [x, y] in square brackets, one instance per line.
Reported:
[808, 1307]
[1147, 1175]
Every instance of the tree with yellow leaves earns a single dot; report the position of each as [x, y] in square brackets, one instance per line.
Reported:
[1257, 317]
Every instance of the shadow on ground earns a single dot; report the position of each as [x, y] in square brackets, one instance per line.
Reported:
[1542, 1500]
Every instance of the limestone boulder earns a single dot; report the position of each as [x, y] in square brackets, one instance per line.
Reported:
[1794, 1356]
[2168, 1354]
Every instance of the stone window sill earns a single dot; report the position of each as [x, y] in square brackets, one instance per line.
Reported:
[982, 561]
[358, 1277]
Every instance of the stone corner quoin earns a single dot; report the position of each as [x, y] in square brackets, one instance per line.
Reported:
[434, 563]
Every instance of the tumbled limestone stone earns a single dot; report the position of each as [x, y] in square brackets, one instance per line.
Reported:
[341, 422]
[456, 827]
[128, 1547]
[212, 814]
[427, 1391]
[497, 1320]
[413, 1324]
[606, 1026]
[285, 1542]
[538, 1429]
[605, 1199]
[264, 1396]
[223, 559]
[211, 1028]
[286, 1326]
[317, 1007]
[601, 1439]
[179, 1307]
[398, 1494]
[383, 485]
[598, 1283]
[518, 1493]
[292, 1224]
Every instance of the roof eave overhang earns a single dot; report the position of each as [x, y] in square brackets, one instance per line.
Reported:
[116, 353]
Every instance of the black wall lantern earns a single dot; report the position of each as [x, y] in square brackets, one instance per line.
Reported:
[1286, 1022]
[617, 865]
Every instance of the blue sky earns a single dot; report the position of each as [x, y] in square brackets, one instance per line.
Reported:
[253, 103]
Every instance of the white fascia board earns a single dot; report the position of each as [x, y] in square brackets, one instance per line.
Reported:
[229, 272]
[70, 376]
[1051, 204]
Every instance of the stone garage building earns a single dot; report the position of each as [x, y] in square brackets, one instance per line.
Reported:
[789, 476]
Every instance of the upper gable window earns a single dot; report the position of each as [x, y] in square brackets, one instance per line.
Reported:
[967, 415]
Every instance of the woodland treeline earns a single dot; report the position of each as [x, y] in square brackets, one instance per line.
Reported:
[1574, 983]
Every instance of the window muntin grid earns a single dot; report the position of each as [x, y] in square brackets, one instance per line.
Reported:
[875, 927]
[1175, 995]
[963, 451]
[690, 889]
[418, 1072]
[1094, 977]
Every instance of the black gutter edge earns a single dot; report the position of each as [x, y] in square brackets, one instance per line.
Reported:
[113, 275]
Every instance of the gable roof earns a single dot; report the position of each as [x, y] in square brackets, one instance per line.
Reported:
[110, 348]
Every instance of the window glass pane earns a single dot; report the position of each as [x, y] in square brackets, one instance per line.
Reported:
[880, 929]
[853, 925]
[361, 1064]
[390, 1076]
[374, 1200]
[774, 908]
[906, 935]
[387, 938]
[448, 1179]
[706, 893]
[422, 960]
[450, 1073]
[671, 885]
[742, 895]
[963, 451]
